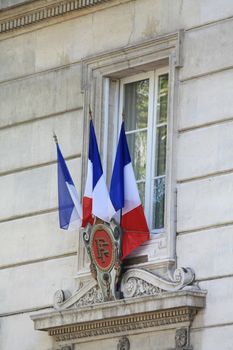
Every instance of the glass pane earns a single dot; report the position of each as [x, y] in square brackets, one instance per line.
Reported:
[136, 105]
[141, 190]
[162, 99]
[161, 141]
[158, 203]
[137, 147]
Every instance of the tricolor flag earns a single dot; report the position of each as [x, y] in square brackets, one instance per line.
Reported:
[70, 210]
[124, 196]
[96, 200]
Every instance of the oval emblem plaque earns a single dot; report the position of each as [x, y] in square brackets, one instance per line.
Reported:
[102, 248]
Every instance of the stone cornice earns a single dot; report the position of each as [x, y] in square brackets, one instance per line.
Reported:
[41, 11]
[166, 311]
[125, 324]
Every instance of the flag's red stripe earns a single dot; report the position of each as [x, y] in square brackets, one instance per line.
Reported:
[134, 238]
[87, 211]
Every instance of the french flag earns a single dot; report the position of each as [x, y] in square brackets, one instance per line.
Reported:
[96, 200]
[70, 210]
[124, 196]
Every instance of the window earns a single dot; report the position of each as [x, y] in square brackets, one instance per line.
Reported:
[144, 100]
[142, 80]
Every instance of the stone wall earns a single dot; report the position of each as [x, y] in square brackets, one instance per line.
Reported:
[40, 91]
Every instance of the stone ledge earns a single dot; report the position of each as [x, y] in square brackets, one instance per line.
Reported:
[168, 310]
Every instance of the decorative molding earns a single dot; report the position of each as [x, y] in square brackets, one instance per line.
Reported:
[86, 294]
[133, 58]
[171, 310]
[46, 12]
[94, 296]
[137, 287]
[134, 283]
[123, 324]
[137, 282]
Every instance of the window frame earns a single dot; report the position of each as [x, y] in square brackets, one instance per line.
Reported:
[153, 77]
[100, 85]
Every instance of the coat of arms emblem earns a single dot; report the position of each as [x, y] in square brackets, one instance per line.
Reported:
[103, 244]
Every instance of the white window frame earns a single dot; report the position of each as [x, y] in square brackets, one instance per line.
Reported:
[101, 77]
[153, 77]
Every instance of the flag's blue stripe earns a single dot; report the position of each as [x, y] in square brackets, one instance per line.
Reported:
[117, 182]
[63, 166]
[65, 201]
[94, 156]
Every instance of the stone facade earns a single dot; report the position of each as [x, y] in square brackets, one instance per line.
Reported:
[52, 55]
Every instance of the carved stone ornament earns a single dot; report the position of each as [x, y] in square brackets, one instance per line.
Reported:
[123, 344]
[94, 296]
[103, 244]
[181, 337]
[58, 298]
[138, 282]
[134, 283]
[88, 294]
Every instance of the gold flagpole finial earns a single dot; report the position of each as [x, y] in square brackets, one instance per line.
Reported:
[90, 112]
[55, 137]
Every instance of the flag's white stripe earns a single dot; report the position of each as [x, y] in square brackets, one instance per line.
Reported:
[74, 195]
[101, 204]
[75, 221]
[89, 181]
[132, 199]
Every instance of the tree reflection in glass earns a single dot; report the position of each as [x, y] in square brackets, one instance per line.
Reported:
[136, 111]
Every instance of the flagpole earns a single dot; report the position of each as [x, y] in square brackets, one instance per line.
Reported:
[123, 121]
